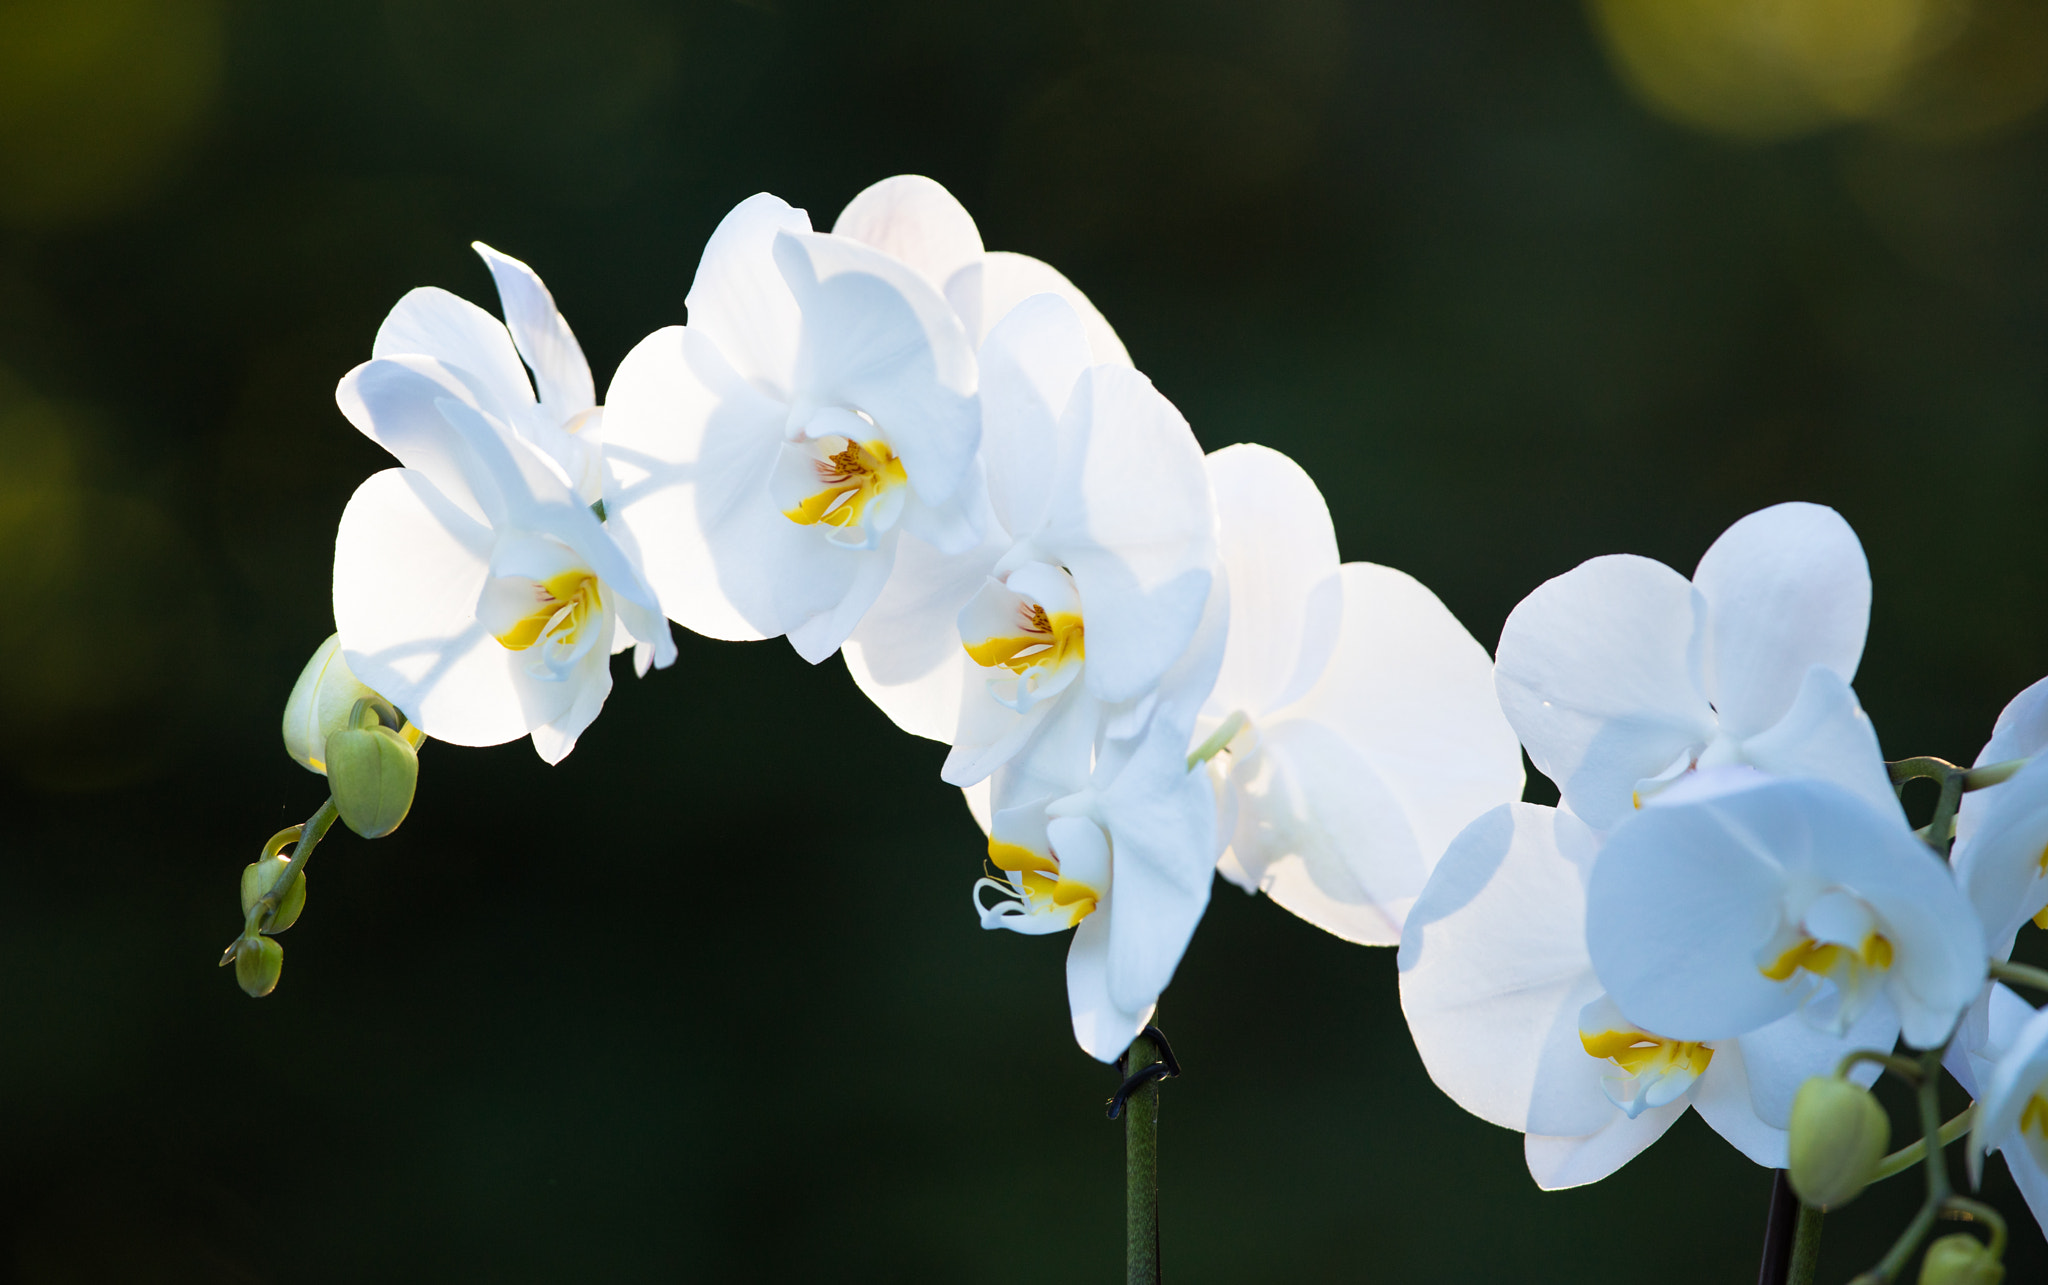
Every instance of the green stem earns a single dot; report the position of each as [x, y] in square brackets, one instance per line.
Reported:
[1894, 1261]
[1141, 1172]
[1907, 1156]
[2019, 974]
[1805, 1247]
[1992, 773]
[265, 910]
[1971, 1211]
[1941, 830]
[1933, 769]
[1904, 1067]
[1219, 738]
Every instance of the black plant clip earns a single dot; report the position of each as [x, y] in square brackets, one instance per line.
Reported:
[1165, 1069]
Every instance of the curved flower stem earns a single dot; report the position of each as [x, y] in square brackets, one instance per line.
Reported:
[1933, 769]
[265, 910]
[1894, 1261]
[1913, 1153]
[1904, 1067]
[1141, 1174]
[1967, 1210]
[2019, 974]
[1219, 738]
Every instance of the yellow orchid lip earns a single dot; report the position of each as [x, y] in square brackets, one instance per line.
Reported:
[1034, 879]
[1639, 1052]
[1042, 641]
[1828, 959]
[849, 480]
[564, 604]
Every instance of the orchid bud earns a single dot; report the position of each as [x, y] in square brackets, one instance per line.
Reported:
[1960, 1259]
[321, 704]
[1839, 1137]
[260, 877]
[372, 771]
[258, 962]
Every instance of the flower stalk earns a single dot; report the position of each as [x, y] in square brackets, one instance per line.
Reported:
[1141, 1173]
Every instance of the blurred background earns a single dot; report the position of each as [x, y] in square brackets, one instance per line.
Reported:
[1518, 283]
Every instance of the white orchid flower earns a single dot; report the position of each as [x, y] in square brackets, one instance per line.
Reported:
[1125, 860]
[474, 587]
[767, 457]
[1513, 1024]
[2007, 1073]
[1741, 898]
[2001, 851]
[1358, 718]
[918, 222]
[1100, 559]
[1621, 675]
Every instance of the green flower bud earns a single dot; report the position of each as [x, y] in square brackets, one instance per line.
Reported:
[321, 704]
[1960, 1259]
[258, 962]
[260, 877]
[1839, 1136]
[372, 771]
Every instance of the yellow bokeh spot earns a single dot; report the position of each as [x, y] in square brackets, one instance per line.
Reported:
[98, 99]
[1770, 69]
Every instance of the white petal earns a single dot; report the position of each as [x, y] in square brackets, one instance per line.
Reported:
[739, 300]
[1827, 736]
[1494, 973]
[408, 567]
[2000, 868]
[691, 447]
[865, 573]
[1722, 1097]
[542, 335]
[984, 292]
[1280, 552]
[1029, 367]
[2019, 1074]
[906, 654]
[1161, 819]
[1561, 1163]
[880, 339]
[1597, 674]
[1321, 834]
[430, 322]
[1787, 588]
[915, 219]
[393, 405]
[1780, 1057]
[592, 683]
[1132, 520]
[1413, 692]
[1102, 1029]
[1687, 896]
[2020, 732]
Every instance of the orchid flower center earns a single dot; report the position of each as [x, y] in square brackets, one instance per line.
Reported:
[848, 479]
[1836, 939]
[1654, 1070]
[2034, 1125]
[563, 607]
[1032, 894]
[1027, 626]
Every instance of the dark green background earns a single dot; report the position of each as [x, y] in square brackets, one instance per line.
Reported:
[707, 1001]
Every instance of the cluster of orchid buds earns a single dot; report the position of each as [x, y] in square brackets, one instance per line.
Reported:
[1150, 664]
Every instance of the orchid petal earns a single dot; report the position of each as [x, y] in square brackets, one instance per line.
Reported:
[1558, 1164]
[1161, 819]
[1826, 736]
[2020, 732]
[914, 219]
[1787, 588]
[1494, 973]
[1722, 1097]
[541, 334]
[1280, 552]
[739, 300]
[1597, 672]
[984, 292]
[1101, 1028]
[408, 567]
[2020, 1073]
[1029, 366]
[1131, 518]
[431, 322]
[906, 653]
[1688, 895]
[2001, 867]
[879, 337]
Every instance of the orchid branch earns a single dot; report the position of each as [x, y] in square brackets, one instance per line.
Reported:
[2004, 970]
[1938, 1190]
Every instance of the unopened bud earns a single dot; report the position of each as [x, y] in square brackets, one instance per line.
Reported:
[260, 878]
[1960, 1259]
[258, 962]
[321, 704]
[372, 771]
[1839, 1137]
